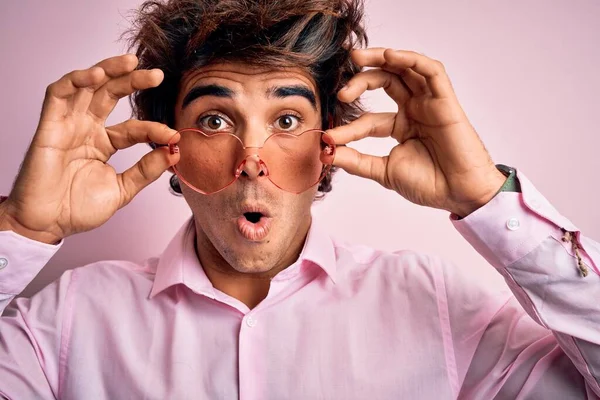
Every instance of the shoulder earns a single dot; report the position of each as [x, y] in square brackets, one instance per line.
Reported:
[418, 274]
[356, 261]
[114, 277]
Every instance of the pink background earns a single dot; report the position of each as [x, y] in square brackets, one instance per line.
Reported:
[525, 72]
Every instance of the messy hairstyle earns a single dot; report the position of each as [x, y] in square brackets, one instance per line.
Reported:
[178, 36]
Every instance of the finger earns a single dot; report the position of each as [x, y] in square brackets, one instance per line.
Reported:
[118, 65]
[113, 67]
[359, 164]
[60, 94]
[371, 57]
[367, 125]
[415, 82]
[433, 70]
[150, 167]
[396, 60]
[106, 98]
[371, 80]
[134, 131]
[69, 84]
[374, 57]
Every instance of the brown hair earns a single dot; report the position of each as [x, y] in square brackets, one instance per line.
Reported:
[178, 36]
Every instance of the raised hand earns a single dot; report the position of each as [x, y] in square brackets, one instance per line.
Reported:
[65, 185]
[439, 161]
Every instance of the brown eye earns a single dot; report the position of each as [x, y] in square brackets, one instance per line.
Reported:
[213, 122]
[287, 122]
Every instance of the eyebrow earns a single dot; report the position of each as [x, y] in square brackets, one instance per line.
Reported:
[207, 90]
[224, 92]
[294, 90]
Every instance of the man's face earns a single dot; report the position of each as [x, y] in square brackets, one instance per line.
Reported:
[252, 104]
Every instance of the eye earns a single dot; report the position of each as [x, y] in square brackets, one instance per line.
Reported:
[287, 122]
[213, 122]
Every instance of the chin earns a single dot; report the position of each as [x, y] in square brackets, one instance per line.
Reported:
[247, 245]
[250, 257]
[248, 267]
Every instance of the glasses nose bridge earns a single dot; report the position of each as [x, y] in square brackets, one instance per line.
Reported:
[252, 164]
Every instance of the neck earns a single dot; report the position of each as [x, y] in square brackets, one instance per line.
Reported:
[249, 288]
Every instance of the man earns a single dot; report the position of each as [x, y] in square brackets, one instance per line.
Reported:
[250, 104]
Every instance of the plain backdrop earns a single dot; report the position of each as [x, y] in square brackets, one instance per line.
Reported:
[526, 72]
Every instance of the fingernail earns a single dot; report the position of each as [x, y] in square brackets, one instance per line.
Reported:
[344, 88]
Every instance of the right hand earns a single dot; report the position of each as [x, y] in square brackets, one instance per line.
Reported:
[65, 185]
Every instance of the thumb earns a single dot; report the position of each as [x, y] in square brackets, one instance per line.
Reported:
[364, 165]
[150, 167]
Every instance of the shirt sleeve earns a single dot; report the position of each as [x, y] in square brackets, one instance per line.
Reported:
[30, 329]
[21, 259]
[543, 340]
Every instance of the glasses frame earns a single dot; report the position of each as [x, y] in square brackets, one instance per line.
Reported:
[329, 150]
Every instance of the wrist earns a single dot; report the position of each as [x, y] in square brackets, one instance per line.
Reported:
[495, 183]
[9, 223]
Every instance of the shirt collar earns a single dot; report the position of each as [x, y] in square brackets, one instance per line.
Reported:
[179, 262]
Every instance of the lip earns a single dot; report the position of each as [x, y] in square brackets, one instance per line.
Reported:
[255, 208]
[254, 232]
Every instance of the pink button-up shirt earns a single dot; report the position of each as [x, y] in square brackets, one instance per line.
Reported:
[343, 322]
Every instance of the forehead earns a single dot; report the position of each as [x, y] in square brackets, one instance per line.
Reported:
[245, 79]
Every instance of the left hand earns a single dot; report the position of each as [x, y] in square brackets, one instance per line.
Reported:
[440, 161]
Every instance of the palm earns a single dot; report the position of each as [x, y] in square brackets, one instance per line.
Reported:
[440, 161]
[65, 185]
[416, 168]
[413, 173]
[79, 189]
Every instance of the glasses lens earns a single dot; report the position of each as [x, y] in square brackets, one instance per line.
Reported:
[294, 163]
[297, 162]
[207, 162]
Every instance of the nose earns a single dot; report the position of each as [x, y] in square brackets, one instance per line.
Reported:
[253, 138]
[252, 167]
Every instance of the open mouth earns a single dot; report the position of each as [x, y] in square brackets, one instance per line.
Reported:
[253, 217]
[254, 224]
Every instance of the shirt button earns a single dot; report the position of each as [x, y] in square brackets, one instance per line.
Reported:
[3, 262]
[251, 322]
[513, 224]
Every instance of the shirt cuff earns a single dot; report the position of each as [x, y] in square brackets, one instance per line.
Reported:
[21, 259]
[512, 224]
